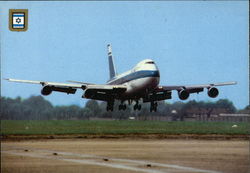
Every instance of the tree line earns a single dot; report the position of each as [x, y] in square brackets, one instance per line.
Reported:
[37, 108]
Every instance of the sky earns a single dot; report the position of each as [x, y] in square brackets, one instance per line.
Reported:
[192, 42]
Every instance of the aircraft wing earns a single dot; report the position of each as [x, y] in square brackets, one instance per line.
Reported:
[45, 83]
[165, 92]
[48, 87]
[196, 87]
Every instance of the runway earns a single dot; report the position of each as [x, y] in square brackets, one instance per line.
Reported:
[126, 155]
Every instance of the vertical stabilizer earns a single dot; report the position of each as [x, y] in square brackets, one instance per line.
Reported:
[112, 71]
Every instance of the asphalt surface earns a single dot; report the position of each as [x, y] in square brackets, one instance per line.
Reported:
[125, 155]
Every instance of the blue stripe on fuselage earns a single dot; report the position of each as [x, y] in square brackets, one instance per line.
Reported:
[135, 75]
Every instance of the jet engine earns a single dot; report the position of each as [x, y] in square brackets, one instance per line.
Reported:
[47, 90]
[213, 92]
[183, 94]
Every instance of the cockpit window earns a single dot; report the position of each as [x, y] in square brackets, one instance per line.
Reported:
[150, 62]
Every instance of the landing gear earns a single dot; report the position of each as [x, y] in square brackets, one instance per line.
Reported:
[137, 106]
[153, 106]
[122, 106]
[110, 106]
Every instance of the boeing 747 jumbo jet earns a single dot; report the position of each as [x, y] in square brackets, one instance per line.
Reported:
[140, 84]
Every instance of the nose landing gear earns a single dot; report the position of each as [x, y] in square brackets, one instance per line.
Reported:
[122, 106]
[153, 106]
[137, 106]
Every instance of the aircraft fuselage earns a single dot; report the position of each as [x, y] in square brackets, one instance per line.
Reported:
[143, 78]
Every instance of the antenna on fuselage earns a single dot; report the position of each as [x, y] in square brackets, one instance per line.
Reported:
[112, 71]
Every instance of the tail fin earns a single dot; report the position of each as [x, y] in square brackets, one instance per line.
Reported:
[112, 71]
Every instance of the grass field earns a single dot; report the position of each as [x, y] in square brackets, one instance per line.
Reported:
[57, 127]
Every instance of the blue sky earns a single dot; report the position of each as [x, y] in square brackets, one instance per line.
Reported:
[193, 42]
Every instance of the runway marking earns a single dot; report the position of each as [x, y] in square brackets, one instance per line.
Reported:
[88, 162]
[128, 164]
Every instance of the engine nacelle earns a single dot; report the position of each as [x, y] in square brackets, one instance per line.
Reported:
[213, 92]
[47, 90]
[183, 94]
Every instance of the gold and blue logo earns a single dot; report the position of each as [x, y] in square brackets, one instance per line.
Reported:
[18, 19]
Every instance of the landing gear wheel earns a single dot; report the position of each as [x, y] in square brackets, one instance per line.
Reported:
[153, 106]
[122, 106]
[135, 107]
[139, 107]
[110, 106]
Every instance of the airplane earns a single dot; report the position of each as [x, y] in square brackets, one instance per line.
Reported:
[140, 84]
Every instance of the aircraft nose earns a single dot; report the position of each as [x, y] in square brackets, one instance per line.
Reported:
[152, 82]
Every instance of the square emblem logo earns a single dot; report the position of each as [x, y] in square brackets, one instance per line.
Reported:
[18, 19]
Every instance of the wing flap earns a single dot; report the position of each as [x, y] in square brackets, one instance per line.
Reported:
[107, 87]
[103, 92]
[85, 83]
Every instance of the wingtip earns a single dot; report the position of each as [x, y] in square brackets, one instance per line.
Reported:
[232, 83]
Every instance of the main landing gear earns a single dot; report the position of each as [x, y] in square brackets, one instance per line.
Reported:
[110, 106]
[122, 106]
[137, 106]
[153, 106]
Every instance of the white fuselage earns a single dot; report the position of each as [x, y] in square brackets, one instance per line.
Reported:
[143, 78]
